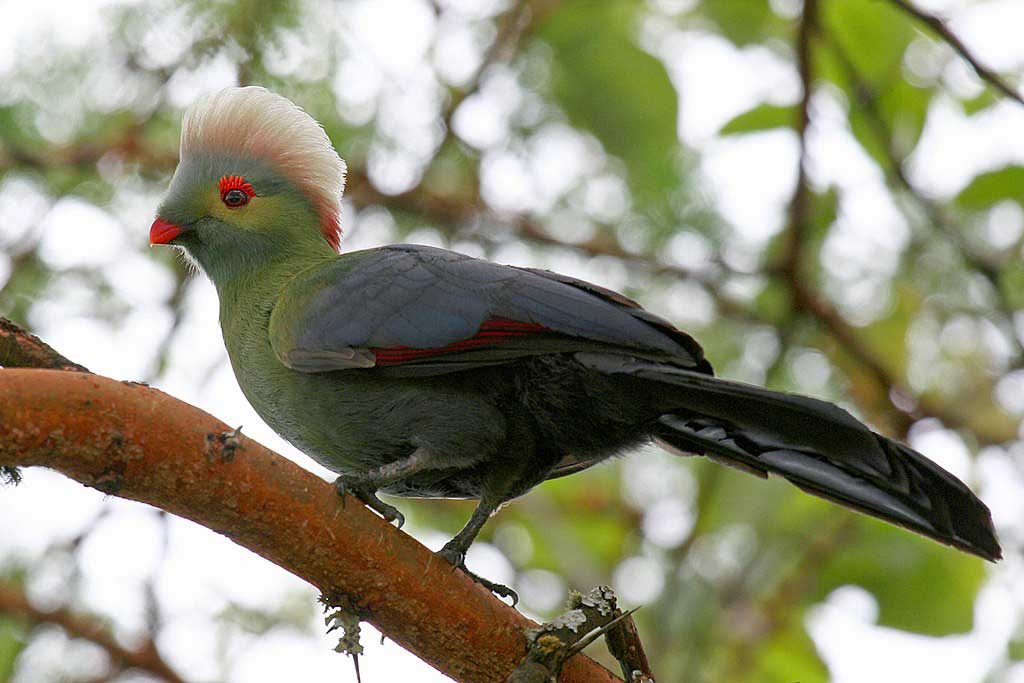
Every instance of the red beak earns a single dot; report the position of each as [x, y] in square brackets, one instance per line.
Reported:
[163, 232]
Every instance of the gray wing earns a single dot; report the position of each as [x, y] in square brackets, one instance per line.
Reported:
[432, 310]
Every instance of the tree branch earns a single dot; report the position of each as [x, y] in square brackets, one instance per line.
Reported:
[144, 658]
[942, 29]
[510, 28]
[21, 349]
[137, 443]
[799, 206]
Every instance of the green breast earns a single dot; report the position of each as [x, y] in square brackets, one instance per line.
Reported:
[306, 410]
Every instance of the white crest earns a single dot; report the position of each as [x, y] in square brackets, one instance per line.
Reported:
[253, 122]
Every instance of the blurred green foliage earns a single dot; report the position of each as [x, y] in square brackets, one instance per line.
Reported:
[593, 46]
[759, 556]
[760, 118]
[12, 642]
[995, 186]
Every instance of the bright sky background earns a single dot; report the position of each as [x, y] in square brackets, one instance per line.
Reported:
[751, 178]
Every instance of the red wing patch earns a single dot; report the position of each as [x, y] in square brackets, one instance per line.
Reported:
[493, 331]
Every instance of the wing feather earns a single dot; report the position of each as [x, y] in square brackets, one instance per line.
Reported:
[408, 305]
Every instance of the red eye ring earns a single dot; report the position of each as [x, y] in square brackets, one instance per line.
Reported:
[235, 191]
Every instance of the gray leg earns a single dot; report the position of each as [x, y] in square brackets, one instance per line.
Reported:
[455, 550]
[365, 486]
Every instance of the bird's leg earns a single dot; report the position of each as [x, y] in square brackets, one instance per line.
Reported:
[365, 486]
[455, 550]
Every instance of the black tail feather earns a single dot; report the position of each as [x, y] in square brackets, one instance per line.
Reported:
[918, 498]
[815, 445]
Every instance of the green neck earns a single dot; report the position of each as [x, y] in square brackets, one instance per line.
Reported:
[251, 277]
[247, 262]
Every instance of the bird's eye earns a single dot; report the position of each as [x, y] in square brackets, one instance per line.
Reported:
[235, 198]
[235, 191]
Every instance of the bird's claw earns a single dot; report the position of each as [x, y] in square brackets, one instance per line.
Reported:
[457, 558]
[454, 556]
[368, 495]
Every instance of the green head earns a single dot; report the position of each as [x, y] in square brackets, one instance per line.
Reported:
[257, 179]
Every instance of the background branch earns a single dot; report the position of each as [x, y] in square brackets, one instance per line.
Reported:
[144, 658]
[939, 26]
[509, 30]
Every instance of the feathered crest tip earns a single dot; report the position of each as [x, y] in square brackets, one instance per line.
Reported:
[253, 122]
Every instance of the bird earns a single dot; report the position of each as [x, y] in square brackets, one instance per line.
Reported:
[421, 372]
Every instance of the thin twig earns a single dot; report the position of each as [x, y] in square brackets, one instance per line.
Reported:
[511, 27]
[942, 29]
[625, 645]
[589, 617]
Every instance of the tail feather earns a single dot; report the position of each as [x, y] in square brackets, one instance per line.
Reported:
[815, 445]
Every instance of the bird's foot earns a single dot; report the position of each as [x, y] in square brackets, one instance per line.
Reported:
[457, 558]
[367, 493]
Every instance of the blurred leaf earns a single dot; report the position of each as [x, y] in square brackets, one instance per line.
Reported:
[920, 585]
[740, 498]
[887, 335]
[774, 299]
[901, 105]
[986, 99]
[990, 188]
[904, 107]
[887, 338]
[1012, 281]
[789, 655]
[23, 289]
[1015, 649]
[452, 173]
[761, 117]
[12, 642]
[880, 32]
[687, 612]
[570, 517]
[611, 87]
[254, 24]
[741, 21]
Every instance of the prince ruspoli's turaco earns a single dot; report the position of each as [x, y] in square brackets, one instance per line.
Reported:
[421, 372]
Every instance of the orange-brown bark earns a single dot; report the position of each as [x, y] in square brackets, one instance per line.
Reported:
[138, 443]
